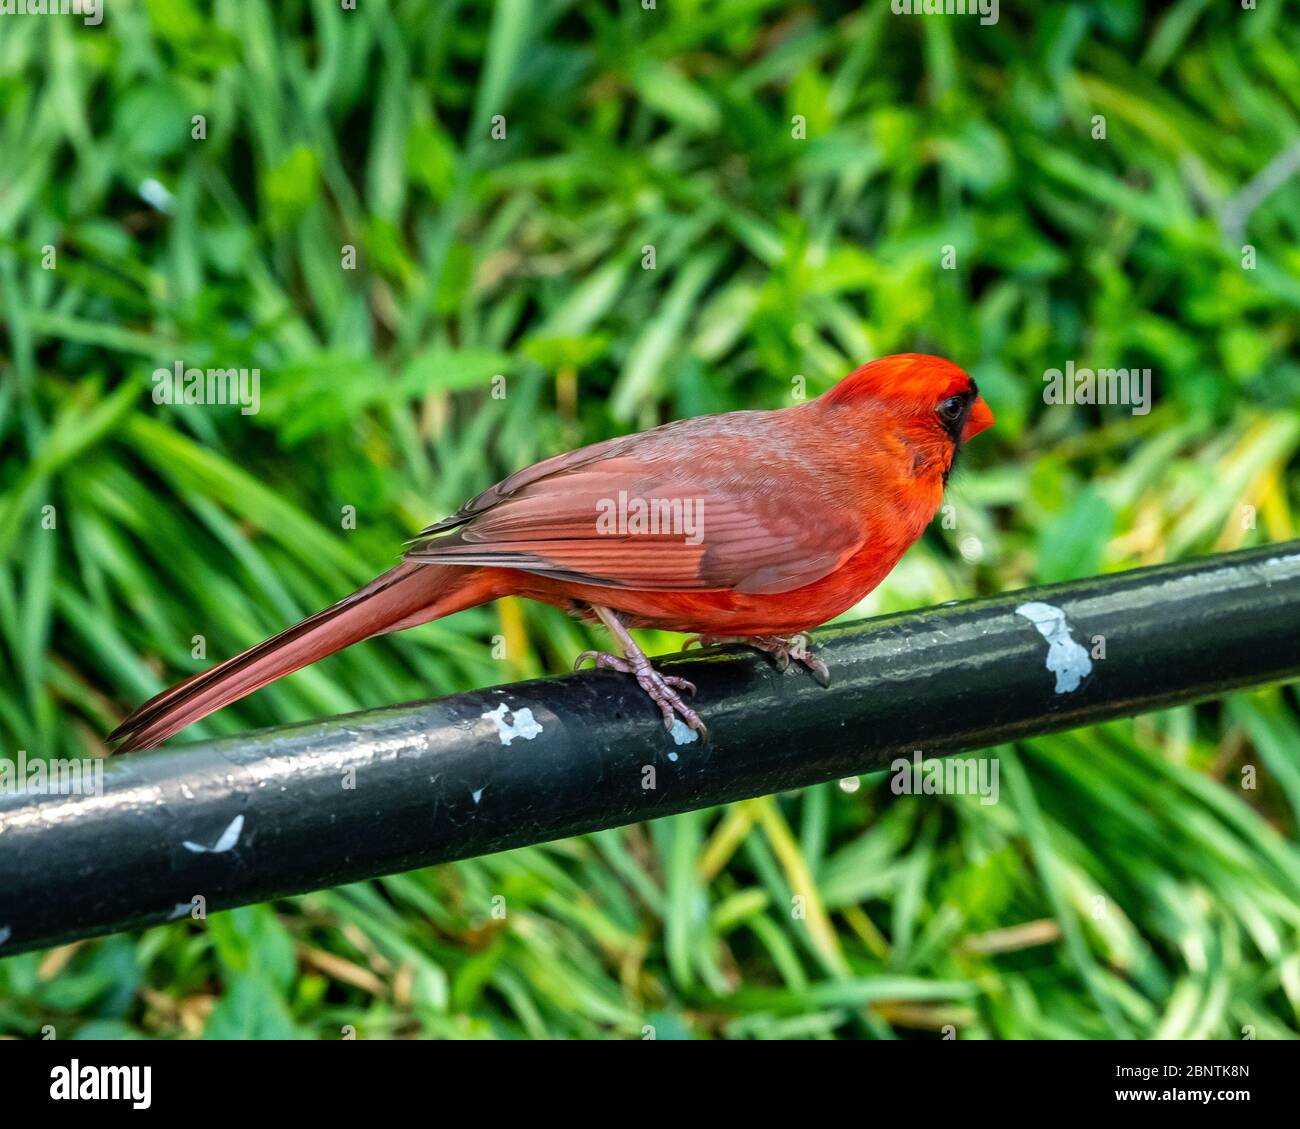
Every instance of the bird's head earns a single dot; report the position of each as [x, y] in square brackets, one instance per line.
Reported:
[927, 404]
[929, 396]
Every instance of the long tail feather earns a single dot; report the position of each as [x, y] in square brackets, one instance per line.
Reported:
[402, 597]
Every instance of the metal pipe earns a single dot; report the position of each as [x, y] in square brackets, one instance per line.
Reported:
[283, 811]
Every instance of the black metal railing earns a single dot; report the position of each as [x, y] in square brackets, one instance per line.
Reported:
[283, 811]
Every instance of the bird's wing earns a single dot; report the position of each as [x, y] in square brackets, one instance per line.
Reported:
[693, 511]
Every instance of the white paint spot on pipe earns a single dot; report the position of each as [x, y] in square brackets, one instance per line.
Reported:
[1066, 659]
[5, 933]
[181, 909]
[523, 724]
[1274, 562]
[229, 837]
[477, 794]
[683, 734]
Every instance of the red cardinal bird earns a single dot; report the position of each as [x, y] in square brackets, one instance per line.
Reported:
[750, 527]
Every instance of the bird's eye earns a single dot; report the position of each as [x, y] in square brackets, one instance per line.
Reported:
[950, 409]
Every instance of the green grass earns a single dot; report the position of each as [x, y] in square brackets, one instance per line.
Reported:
[1125, 884]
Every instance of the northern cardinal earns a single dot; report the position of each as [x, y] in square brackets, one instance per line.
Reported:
[749, 526]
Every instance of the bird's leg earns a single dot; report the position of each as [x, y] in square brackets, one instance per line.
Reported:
[662, 688]
[782, 648]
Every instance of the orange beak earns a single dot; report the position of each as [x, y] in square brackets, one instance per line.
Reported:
[980, 418]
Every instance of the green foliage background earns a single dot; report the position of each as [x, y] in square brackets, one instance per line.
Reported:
[1126, 884]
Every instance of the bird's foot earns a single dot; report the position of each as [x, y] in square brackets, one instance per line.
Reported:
[782, 648]
[662, 688]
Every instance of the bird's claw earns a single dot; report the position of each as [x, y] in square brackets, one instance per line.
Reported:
[819, 670]
[802, 653]
[781, 649]
[662, 688]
